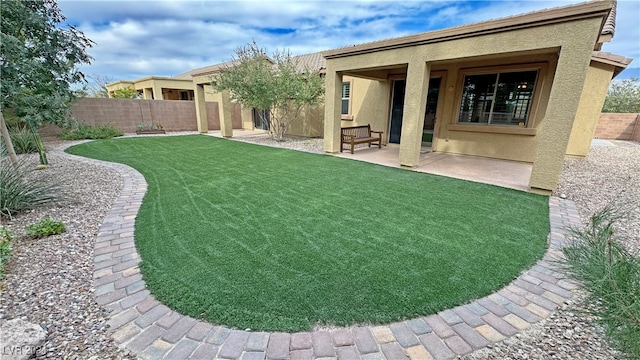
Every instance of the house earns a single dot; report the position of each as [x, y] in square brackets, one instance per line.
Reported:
[526, 88]
[179, 87]
[195, 85]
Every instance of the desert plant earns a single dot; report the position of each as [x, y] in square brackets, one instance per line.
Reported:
[5, 248]
[46, 227]
[611, 275]
[280, 85]
[23, 140]
[18, 192]
[83, 131]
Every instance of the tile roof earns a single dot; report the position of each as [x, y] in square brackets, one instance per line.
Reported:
[313, 61]
[609, 27]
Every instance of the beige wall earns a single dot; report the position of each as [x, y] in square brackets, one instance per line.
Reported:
[618, 126]
[370, 104]
[309, 124]
[591, 101]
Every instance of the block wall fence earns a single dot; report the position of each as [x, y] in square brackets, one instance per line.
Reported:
[618, 126]
[127, 114]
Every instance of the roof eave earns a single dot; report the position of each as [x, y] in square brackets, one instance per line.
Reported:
[573, 12]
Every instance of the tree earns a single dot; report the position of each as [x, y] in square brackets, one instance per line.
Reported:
[38, 59]
[623, 97]
[278, 84]
[126, 93]
[97, 86]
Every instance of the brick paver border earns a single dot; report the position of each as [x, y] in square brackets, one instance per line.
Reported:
[146, 327]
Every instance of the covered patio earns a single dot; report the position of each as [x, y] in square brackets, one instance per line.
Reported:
[505, 173]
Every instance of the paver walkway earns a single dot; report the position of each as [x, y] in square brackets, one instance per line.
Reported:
[151, 330]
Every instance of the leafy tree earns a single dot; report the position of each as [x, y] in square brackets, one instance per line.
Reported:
[38, 58]
[278, 84]
[126, 93]
[623, 97]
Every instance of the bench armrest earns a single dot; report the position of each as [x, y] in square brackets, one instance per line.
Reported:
[377, 132]
[348, 136]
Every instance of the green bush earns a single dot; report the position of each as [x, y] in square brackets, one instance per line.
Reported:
[17, 193]
[23, 141]
[5, 248]
[611, 275]
[83, 131]
[46, 227]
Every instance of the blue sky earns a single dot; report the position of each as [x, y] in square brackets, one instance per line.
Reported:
[141, 38]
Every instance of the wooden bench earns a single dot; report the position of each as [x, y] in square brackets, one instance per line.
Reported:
[355, 135]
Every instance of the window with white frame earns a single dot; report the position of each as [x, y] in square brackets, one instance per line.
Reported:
[498, 98]
[346, 98]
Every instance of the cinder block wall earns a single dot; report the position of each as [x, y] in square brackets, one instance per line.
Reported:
[127, 114]
[618, 126]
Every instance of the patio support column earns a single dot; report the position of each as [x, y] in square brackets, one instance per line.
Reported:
[224, 113]
[157, 92]
[201, 111]
[415, 101]
[569, 80]
[332, 110]
[147, 94]
[247, 118]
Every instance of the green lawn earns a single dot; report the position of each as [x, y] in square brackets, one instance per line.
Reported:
[279, 240]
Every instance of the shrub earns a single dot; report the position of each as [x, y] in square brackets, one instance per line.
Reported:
[5, 248]
[23, 141]
[19, 193]
[611, 275]
[83, 131]
[46, 227]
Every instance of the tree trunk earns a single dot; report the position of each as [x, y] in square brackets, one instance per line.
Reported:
[7, 141]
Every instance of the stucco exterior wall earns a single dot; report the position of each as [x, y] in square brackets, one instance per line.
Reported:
[309, 124]
[567, 45]
[370, 104]
[591, 101]
[618, 126]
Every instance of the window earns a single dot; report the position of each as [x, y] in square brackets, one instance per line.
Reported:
[261, 119]
[346, 98]
[502, 98]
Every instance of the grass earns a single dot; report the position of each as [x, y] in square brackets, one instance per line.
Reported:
[279, 240]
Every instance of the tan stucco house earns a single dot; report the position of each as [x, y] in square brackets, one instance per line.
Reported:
[526, 88]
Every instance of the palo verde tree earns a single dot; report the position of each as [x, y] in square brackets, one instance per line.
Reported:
[38, 64]
[623, 97]
[278, 86]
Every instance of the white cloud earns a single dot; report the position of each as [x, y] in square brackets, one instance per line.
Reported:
[141, 38]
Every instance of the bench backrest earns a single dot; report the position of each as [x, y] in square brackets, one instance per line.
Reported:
[358, 131]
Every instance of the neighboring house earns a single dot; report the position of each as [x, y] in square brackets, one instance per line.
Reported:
[196, 85]
[179, 87]
[526, 88]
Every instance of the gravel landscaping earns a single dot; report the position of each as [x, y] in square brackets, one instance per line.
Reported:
[49, 281]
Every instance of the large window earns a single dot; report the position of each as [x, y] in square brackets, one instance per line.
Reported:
[346, 98]
[501, 98]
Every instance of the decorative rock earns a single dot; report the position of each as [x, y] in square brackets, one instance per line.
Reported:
[21, 340]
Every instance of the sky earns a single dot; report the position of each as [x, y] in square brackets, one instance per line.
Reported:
[135, 39]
